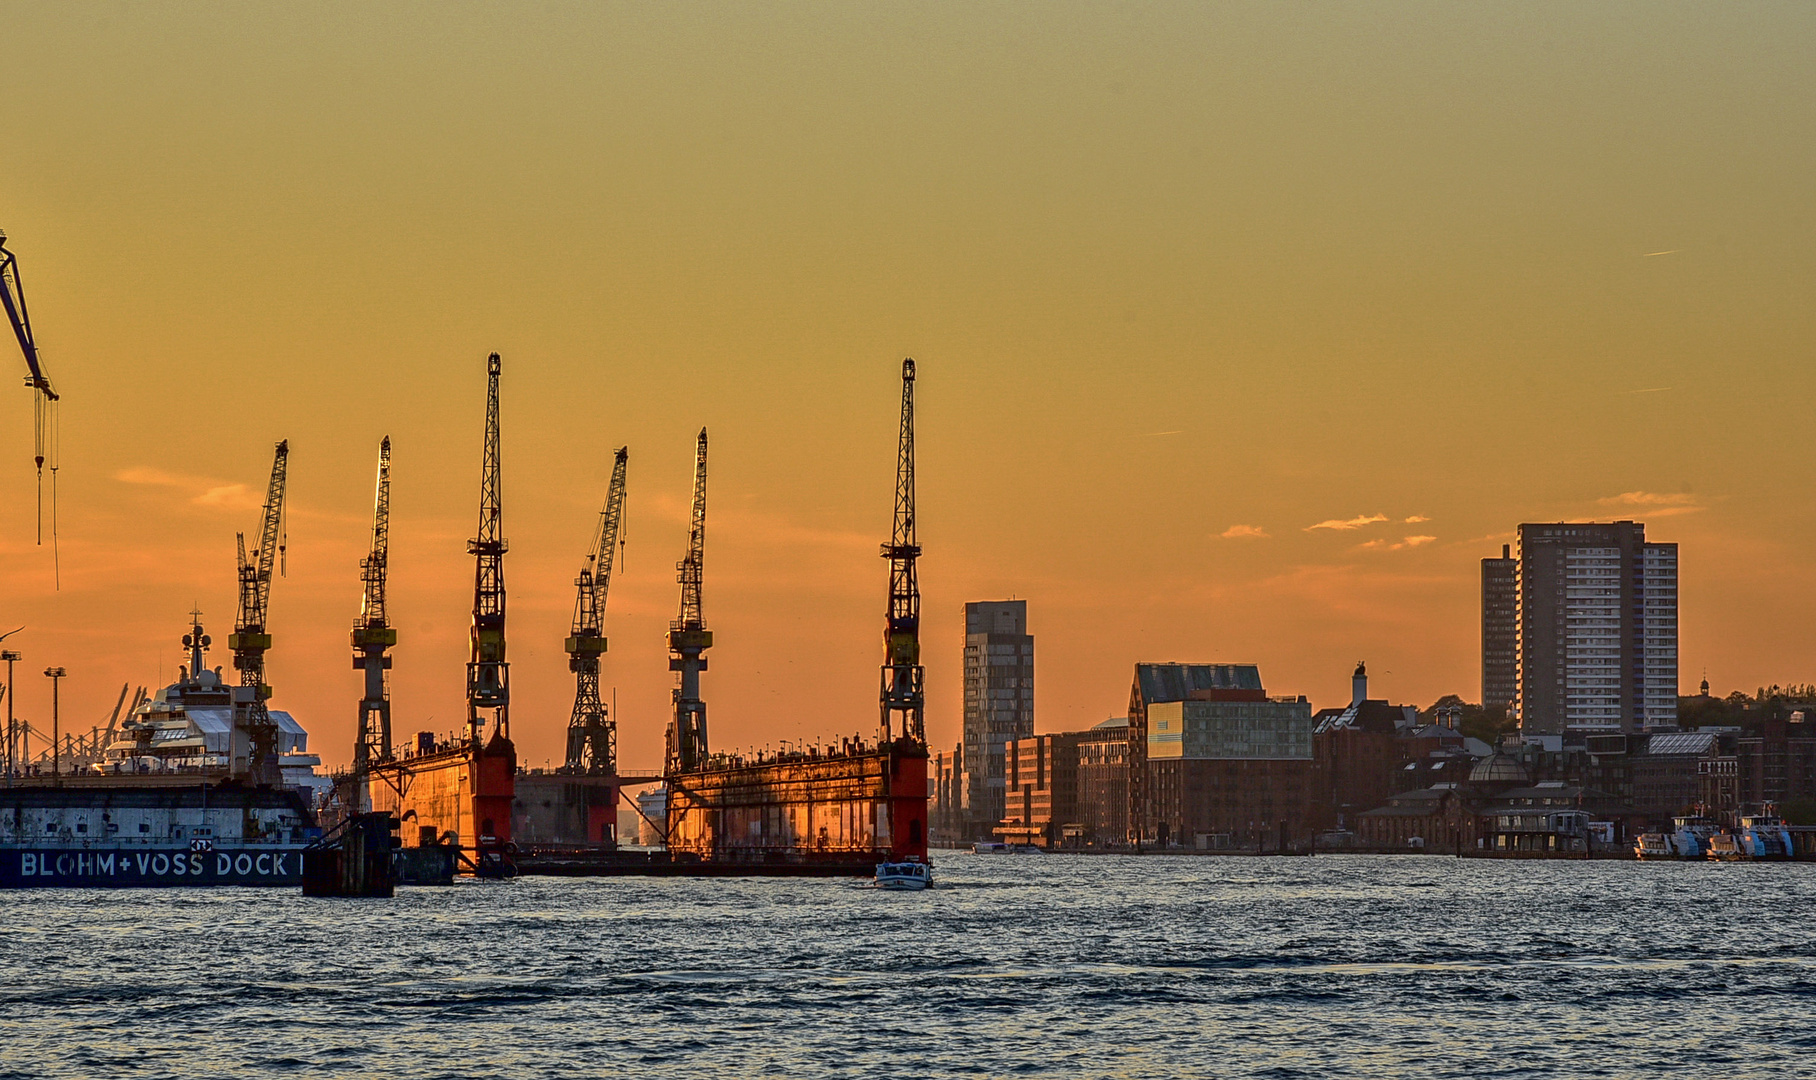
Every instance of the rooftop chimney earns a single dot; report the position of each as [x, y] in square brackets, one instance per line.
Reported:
[1359, 684]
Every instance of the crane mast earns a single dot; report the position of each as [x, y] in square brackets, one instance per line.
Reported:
[593, 733]
[250, 640]
[903, 696]
[44, 398]
[688, 637]
[488, 675]
[373, 633]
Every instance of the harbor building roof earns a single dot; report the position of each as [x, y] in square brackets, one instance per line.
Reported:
[1182, 682]
[1499, 769]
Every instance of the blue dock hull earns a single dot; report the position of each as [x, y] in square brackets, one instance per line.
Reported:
[268, 865]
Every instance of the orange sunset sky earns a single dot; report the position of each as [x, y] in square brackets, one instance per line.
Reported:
[1244, 332]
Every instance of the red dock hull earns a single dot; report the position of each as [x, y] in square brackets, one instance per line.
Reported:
[868, 804]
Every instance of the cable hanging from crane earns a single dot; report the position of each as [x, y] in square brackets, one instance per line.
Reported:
[44, 397]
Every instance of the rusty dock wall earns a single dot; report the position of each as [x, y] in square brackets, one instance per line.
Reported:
[866, 803]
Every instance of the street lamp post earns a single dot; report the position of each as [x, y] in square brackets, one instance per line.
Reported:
[10, 657]
[56, 675]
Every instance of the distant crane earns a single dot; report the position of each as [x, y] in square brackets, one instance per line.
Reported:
[593, 733]
[903, 696]
[250, 640]
[44, 399]
[488, 675]
[372, 631]
[688, 637]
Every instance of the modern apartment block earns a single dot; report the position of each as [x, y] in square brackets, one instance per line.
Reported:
[1501, 630]
[999, 703]
[1597, 628]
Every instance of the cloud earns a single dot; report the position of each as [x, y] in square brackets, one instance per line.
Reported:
[1244, 532]
[1350, 523]
[1415, 519]
[1654, 504]
[1408, 542]
[144, 474]
[202, 491]
[1415, 541]
[232, 496]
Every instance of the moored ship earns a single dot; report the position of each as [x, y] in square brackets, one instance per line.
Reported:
[191, 790]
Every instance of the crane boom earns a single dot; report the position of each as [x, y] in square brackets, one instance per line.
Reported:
[592, 731]
[373, 633]
[903, 693]
[488, 675]
[250, 640]
[688, 636]
[44, 397]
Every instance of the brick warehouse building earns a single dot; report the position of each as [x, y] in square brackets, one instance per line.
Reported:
[1213, 759]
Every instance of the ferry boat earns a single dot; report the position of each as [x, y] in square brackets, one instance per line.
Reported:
[1765, 836]
[1654, 846]
[911, 874]
[1691, 836]
[1726, 847]
[170, 802]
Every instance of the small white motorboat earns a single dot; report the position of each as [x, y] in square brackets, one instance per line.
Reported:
[912, 874]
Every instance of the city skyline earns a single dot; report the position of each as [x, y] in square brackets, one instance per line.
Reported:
[1266, 343]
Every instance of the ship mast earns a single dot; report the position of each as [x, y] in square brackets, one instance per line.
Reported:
[592, 733]
[373, 633]
[903, 697]
[488, 675]
[249, 640]
[688, 637]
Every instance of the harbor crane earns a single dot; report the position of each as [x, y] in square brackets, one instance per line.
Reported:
[373, 633]
[903, 693]
[488, 675]
[688, 637]
[250, 640]
[44, 398]
[592, 732]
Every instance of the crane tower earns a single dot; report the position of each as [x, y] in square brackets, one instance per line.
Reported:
[592, 732]
[373, 633]
[488, 675]
[688, 637]
[250, 640]
[903, 695]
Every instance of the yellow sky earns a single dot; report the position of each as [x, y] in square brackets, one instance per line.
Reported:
[1182, 283]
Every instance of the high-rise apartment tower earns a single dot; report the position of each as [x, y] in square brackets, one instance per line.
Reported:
[1501, 630]
[999, 702]
[1597, 613]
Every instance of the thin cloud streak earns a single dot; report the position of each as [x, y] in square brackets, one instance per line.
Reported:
[1348, 523]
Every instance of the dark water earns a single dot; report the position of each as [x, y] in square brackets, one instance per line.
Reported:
[1015, 966]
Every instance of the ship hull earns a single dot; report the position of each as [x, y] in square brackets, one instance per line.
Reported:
[870, 804]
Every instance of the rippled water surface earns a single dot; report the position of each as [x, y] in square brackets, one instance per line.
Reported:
[1015, 965]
